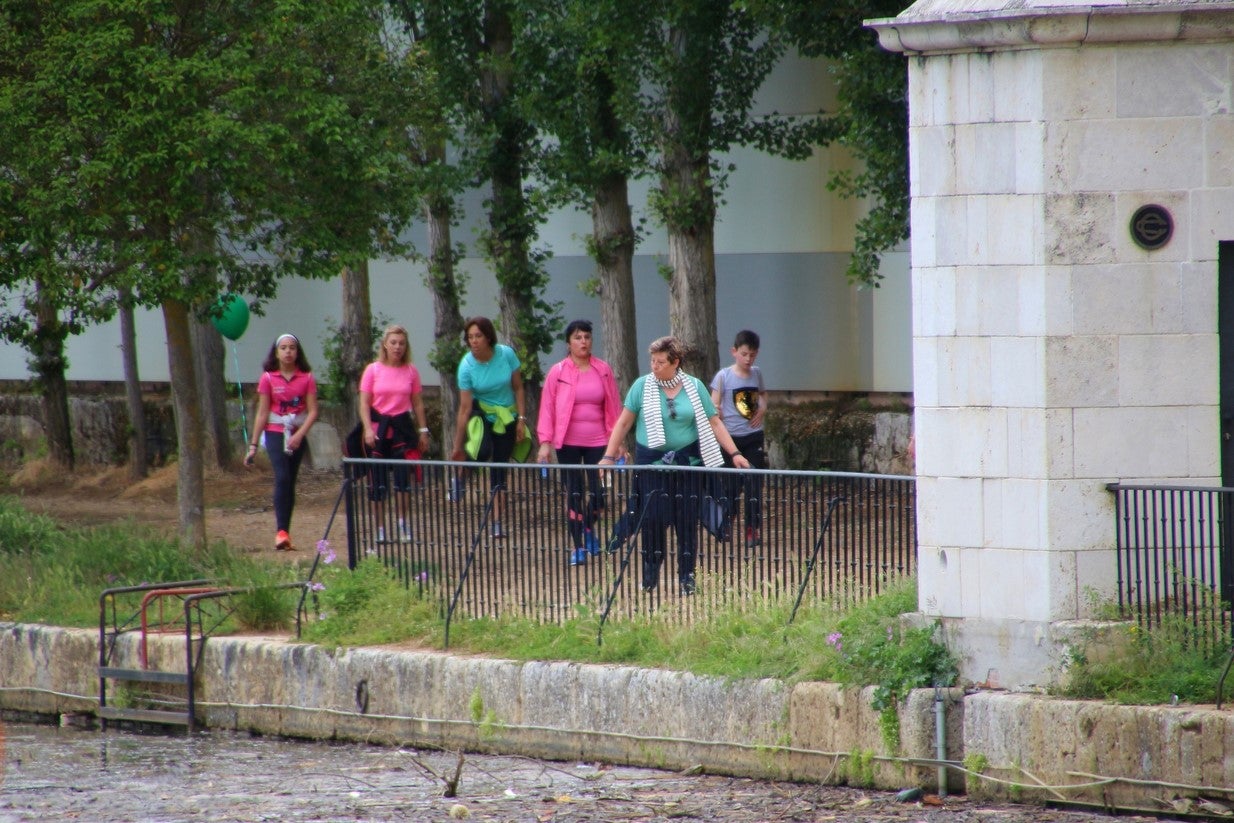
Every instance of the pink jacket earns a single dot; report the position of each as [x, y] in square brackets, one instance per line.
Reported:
[557, 400]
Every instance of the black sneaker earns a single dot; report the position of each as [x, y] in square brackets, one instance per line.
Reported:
[687, 585]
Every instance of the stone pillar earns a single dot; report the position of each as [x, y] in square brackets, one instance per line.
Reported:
[1052, 354]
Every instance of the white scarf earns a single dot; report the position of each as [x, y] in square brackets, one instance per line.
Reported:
[708, 448]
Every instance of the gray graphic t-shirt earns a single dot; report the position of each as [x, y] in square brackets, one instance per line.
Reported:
[738, 399]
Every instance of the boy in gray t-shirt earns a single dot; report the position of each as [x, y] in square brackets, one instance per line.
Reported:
[738, 393]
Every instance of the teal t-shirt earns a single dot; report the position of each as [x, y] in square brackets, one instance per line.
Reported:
[490, 382]
[678, 433]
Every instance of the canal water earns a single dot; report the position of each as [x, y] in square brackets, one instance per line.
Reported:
[55, 773]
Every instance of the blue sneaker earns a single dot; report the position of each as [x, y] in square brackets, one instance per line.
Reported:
[578, 557]
[591, 542]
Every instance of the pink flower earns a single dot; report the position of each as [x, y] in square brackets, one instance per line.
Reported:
[835, 640]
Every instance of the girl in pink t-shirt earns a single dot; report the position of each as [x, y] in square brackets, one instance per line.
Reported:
[390, 391]
[286, 410]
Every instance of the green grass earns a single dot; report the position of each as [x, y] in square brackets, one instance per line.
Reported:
[1165, 665]
[865, 645]
[54, 574]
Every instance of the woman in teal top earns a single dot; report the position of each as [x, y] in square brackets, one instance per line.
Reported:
[491, 390]
[675, 423]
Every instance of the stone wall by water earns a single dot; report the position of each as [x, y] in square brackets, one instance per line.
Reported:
[1123, 756]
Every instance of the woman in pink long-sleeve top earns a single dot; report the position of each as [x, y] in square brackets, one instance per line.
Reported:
[578, 407]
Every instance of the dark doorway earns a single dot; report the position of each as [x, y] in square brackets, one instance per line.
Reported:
[1225, 338]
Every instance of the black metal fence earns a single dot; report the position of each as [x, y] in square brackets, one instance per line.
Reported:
[437, 534]
[1173, 545]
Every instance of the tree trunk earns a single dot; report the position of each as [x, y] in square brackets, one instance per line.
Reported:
[139, 457]
[686, 185]
[49, 366]
[511, 222]
[613, 232]
[211, 355]
[692, 298]
[447, 316]
[190, 493]
[355, 333]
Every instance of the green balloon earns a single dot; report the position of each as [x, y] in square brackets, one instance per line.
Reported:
[233, 317]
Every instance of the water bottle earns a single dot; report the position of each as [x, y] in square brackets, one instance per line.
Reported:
[543, 469]
[608, 478]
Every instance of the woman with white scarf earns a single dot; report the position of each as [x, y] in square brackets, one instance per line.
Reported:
[677, 423]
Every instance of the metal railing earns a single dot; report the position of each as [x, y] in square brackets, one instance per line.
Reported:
[1173, 546]
[446, 548]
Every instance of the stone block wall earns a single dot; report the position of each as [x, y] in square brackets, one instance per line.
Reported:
[1052, 354]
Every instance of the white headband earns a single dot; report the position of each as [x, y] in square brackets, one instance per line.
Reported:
[283, 337]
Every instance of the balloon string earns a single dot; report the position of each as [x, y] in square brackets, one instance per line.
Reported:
[244, 423]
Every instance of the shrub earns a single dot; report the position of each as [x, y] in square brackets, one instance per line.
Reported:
[825, 435]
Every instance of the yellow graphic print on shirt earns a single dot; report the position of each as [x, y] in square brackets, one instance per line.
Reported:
[746, 401]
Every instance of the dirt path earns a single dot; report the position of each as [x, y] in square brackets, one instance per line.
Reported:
[238, 506]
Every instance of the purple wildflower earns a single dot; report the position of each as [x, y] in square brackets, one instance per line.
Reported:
[317, 586]
[836, 641]
[327, 554]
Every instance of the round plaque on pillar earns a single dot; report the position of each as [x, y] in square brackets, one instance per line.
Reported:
[1151, 227]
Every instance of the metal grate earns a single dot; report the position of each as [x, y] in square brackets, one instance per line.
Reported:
[442, 547]
[1173, 556]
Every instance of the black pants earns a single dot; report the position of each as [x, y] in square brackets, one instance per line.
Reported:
[286, 470]
[752, 448]
[671, 499]
[495, 448]
[584, 499]
[383, 477]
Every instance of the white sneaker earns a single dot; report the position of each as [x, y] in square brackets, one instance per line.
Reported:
[404, 534]
[381, 534]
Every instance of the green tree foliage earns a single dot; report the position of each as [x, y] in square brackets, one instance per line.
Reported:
[182, 149]
[592, 58]
[703, 63]
[871, 119]
[476, 53]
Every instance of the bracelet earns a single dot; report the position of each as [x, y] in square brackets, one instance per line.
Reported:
[423, 431]
[252, 445]
[608, 457]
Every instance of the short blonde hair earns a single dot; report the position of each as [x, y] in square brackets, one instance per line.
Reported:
[382, 356]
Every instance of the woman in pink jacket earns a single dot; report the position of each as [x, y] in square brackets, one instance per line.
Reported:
[578, 407]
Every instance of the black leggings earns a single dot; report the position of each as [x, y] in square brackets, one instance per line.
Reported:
[286, 470]
[584, 500]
